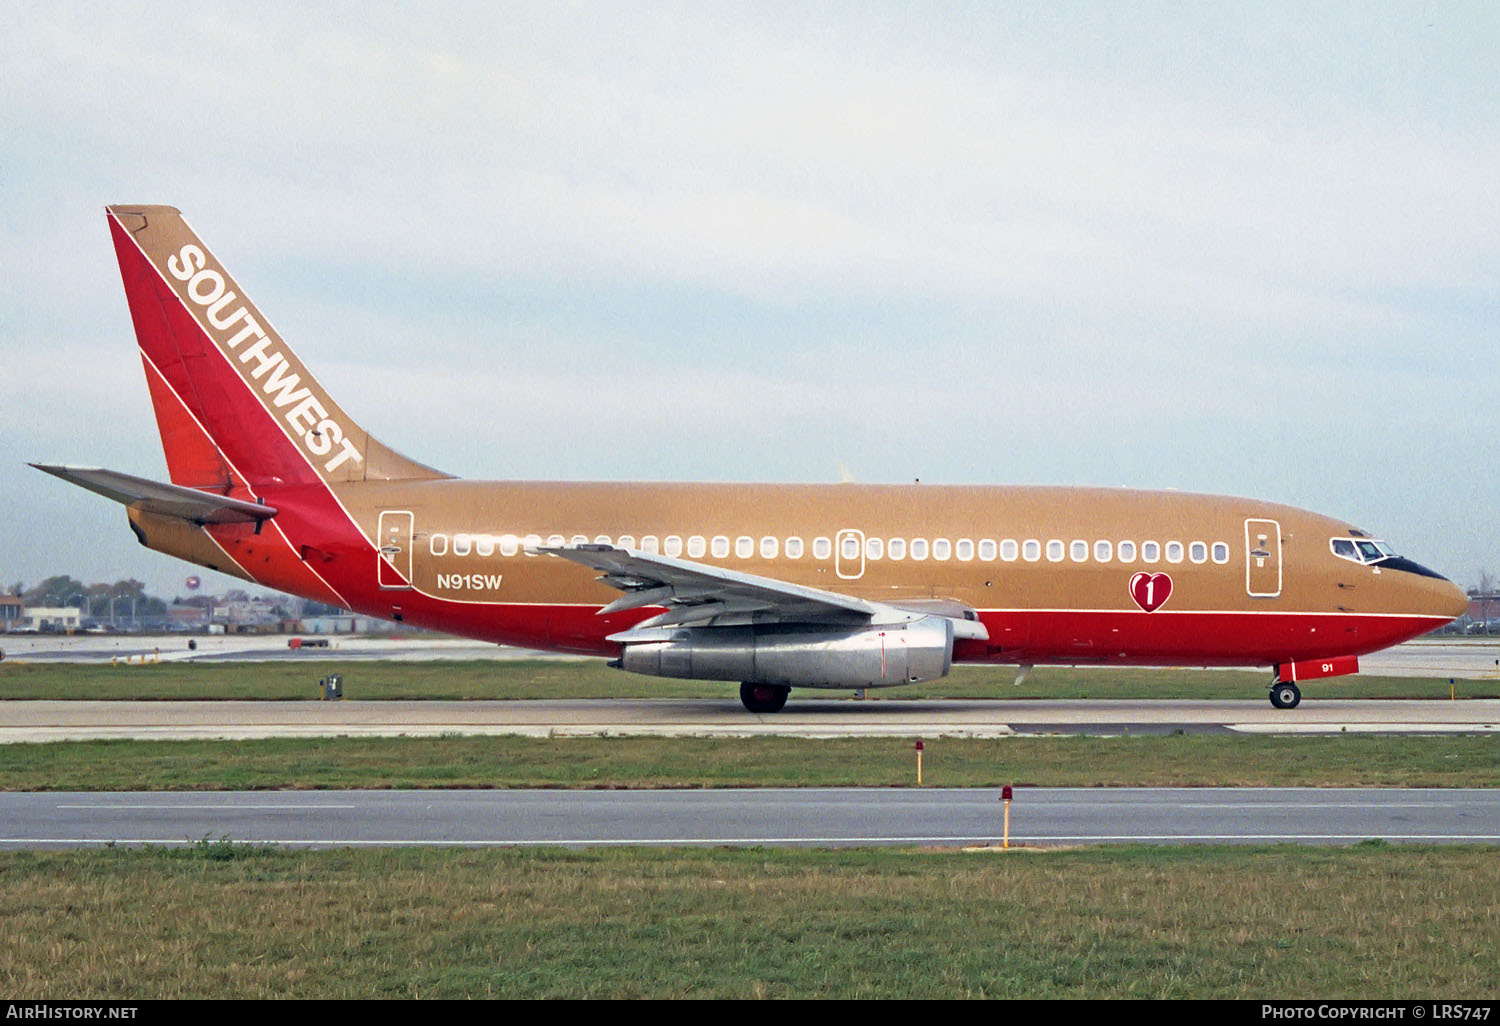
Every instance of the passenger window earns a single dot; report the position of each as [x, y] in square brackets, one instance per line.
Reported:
[531, 541]
[697, 546]
[987, 550]
[1055, 551]
[822, 548]
[1198, 552]
[650, 544]
[919, 548]
[964, 549]
[768, 548]
[897, 548]
[461, 544]
[1126, 549]
[744, 547]
[794, 548]
[1103, 550]
[941, 549]
[438, 545]
[509, 545]
[484, 545]
[625, 541]
[850, 546]
[1079, 550]
[1174, 552]
[1032, 550]
[719, 546]
[1009, 550]
[874, 548]
[579, 539]
[672, 546]
[602, 539]
[1150, 552]
[556, 541]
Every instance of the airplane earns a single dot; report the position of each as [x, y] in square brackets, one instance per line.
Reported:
[848, 586]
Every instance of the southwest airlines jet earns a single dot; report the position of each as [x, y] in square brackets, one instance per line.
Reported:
[777, 586]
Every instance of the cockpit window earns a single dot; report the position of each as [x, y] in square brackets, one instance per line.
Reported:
[1360, 550]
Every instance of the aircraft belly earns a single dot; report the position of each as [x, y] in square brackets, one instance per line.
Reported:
[1190, 638]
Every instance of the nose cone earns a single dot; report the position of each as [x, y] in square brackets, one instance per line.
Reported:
[1449, 600]
[1430, 593]
[1437, 597]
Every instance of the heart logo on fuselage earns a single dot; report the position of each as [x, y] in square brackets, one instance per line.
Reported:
[1150, 591]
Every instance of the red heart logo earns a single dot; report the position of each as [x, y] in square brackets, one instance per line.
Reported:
[1150, 591]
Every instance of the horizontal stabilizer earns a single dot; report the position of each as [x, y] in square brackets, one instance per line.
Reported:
[168, 500]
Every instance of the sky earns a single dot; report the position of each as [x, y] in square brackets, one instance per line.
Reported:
[1244, 249]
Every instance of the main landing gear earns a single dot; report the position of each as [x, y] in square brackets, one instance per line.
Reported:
[1284, 695]
[764, 698]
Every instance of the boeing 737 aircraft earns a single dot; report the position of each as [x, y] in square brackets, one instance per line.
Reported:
[776, 586]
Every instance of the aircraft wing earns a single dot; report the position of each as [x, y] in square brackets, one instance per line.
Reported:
[170, 500]
[701, 594]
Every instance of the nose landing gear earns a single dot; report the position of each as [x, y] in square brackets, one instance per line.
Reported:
[1284, 695]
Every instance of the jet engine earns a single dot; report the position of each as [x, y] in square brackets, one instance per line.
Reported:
[867, 656]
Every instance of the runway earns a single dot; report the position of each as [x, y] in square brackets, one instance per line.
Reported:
[33, 721]
[825, 817]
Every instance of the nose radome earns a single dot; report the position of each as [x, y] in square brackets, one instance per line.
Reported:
[1451, 600]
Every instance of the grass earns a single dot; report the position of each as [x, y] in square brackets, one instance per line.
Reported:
[285, 679]
[222, 921]
[1189, 760]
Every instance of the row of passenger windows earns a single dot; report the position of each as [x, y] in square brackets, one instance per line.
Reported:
[851, 547]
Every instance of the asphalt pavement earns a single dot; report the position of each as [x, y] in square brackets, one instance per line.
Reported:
[1040, 817]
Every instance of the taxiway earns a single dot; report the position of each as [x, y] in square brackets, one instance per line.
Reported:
[31, 721]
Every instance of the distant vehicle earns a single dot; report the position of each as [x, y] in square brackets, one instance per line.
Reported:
[776, 586]
[295, 643]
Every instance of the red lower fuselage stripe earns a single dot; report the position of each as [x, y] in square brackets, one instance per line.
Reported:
[1016, 636]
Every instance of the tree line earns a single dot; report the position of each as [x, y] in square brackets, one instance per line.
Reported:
[130, 596]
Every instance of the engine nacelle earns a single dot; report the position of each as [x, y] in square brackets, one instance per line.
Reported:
[826, 657]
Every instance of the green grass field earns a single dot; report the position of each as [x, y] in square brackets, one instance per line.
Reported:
[216, 921]
[285, 679]
[1193, 760]
[224, 920]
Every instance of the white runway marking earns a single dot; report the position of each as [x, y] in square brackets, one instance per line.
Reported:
[106, 807]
